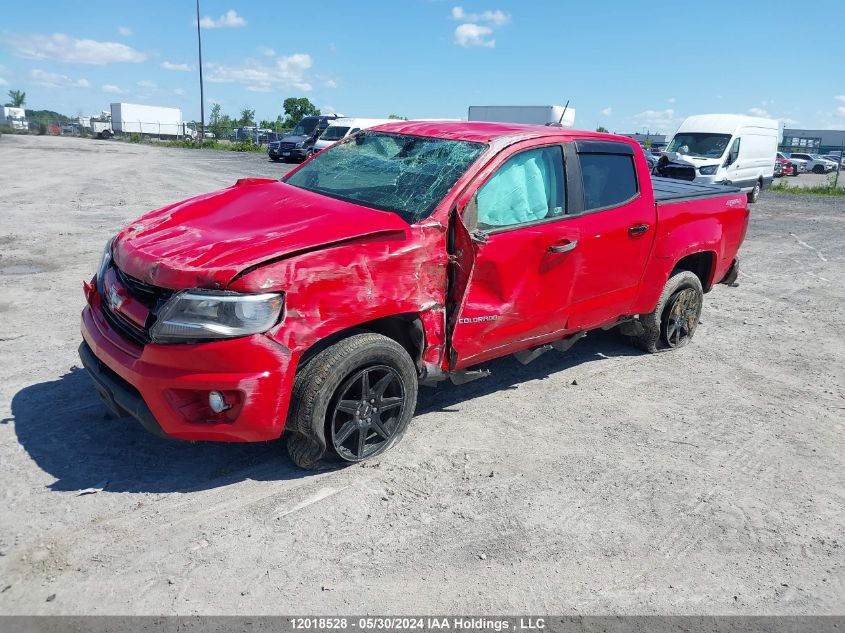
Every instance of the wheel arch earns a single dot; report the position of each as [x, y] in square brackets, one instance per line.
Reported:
[702, 264]
[406, 329]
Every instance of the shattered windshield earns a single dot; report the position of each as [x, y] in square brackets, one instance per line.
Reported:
[408, 175]
[703, 145]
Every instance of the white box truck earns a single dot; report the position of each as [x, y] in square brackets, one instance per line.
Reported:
[147, 120]
[733, 149]
[534, 115]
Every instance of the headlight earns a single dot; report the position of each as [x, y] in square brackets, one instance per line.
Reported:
[105, 263]
[207, 314]
[709, 170]
[300, 144]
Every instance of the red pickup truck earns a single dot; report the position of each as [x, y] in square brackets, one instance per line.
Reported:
[407, 254]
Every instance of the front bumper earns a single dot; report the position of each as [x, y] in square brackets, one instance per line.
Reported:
[285, 154]
[165, 387]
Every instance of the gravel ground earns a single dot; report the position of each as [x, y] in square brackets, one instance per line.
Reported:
[704, 481]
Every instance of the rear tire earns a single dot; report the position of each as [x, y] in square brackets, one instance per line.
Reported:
[675, 319]
[352, 401]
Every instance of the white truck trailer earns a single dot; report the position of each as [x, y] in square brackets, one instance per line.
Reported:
[147, 120]
[535, 115]
[12, 117]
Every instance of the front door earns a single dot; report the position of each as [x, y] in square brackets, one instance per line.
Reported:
[524, 249]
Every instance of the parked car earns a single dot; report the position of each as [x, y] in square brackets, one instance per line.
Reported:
[783, 167]
[725, 148]
[404, 255]
[815, 162]
[297, 144]
[340, 128]
[799, 165]
[650, 158]
[838, 160]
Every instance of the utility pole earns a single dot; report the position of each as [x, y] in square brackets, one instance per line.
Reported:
[202, 94]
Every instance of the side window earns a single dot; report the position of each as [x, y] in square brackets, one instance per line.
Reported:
[734, 154]
[527, 188]
[609, 179]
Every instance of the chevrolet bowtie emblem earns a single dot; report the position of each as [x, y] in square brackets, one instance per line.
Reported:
[114, 298]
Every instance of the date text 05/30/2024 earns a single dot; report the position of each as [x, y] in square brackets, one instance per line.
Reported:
[465, 624]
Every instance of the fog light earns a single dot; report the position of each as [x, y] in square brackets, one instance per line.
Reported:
[217, 402]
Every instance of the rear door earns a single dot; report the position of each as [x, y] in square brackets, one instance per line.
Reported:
[615, 228]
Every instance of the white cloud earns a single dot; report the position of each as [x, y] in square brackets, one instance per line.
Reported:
[171, 66]
[146, 83]
[230, 19]
[788, 121]
[670, 100]
[55, 80]
[328, 109]
[840, 111]
[468, 35]
[656, 119]
[63, 48]
[3, 82]
[259, 76]
[266, 51]
[112, 89]
[179, 91]
[125, 31]
[607, 111]
[496, 17]
[330, 83]
[758, 112]
[840, 97]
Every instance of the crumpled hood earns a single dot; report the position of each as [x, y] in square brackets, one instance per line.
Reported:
[206, 241]
[290, 138]
[683, 159]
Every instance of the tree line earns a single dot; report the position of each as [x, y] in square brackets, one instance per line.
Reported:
[295, 109]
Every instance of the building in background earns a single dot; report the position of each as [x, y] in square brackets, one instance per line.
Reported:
[812, 141]
[650, 140]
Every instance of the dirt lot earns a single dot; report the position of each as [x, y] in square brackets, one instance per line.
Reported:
[708, 480]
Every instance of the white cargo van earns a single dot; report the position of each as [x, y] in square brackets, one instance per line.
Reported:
[339, 129]
[728, 148]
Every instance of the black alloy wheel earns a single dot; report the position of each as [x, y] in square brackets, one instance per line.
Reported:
[682, 314]
[366, 412]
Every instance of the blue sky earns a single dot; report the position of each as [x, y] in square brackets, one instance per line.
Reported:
[627, 65]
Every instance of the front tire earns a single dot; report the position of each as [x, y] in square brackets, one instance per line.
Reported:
[675, 319]
[352, 401]
[754, 194]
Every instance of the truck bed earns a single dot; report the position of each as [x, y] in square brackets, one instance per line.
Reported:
[669, 190]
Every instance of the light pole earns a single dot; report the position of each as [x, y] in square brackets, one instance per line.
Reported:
[202, 95]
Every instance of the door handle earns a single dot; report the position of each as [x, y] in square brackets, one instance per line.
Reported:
[563, 248]
[637, 230]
